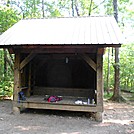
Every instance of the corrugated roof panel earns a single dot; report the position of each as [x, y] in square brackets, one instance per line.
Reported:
[116, 30]
[70, 32]
[100, 34]
[81, 30]
[111, 32]
[93, 31]
[106, 34]
[88, 31]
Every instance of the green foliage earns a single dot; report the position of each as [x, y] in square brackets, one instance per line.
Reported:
[58, 8]
[6, 88]
[108, 96]
[108, 5]
[105, 69]
[6, 80]
[53, 9]
[8, 17]
[31, 9]
[84, 7]
[126, 68]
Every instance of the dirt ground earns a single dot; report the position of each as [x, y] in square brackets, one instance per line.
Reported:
[118, 119]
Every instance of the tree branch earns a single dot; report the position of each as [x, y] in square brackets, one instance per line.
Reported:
[98, 5]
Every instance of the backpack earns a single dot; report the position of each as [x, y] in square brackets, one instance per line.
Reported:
[21, 96]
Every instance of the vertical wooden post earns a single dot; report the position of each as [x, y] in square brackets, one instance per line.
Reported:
[16, 83]
[99, 84]
[33, 75]
[29, 79]
[23, 77]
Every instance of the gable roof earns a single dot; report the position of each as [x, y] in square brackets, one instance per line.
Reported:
[61, 31]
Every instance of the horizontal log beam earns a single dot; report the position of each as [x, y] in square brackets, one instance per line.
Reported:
[54, 49]
[55, 106]
[56, 46]
[59, 51]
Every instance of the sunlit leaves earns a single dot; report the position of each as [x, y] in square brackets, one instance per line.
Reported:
[6, 82]
[8, 17]
[126, 68]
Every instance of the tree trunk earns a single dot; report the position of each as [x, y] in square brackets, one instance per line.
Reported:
[9, 61]
[115, 6]
[90, 8]
[43, 13]
[72, 6]
[116, 95]
[5, 64]
[76, 8]
[108, 71]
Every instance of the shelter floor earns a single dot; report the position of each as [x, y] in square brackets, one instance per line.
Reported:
[69, 100]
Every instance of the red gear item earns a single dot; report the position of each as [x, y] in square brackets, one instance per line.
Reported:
[54, 99]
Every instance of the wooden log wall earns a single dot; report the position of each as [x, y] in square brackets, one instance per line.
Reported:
[76, 92]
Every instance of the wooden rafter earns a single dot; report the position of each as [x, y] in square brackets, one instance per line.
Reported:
[89, 61]
[27, 60]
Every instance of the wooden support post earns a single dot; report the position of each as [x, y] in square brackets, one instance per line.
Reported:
[99, 85]
[99, 116]
[16, 83]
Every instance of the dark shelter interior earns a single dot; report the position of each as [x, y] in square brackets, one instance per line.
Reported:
[65, 72]
[61, 74]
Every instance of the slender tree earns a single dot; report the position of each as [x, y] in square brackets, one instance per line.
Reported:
[116, 95]
[108, 71]
[72, 5]
[90, 7]
[76, 8]
[43, 13]
[5, 64]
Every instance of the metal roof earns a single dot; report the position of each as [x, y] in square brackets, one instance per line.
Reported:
[58, 31]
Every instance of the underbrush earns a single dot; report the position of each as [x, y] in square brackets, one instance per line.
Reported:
[6, 88]
[108, 96]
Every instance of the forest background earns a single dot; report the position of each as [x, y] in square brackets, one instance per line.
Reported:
[11, 11]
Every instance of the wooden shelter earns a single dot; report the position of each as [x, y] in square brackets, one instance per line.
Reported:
[60, 57]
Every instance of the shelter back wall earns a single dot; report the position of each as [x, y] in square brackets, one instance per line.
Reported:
[74, 73]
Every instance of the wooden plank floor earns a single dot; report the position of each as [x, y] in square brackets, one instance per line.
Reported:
[65, 100]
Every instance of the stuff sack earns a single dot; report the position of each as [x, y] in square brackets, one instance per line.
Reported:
[54, 99]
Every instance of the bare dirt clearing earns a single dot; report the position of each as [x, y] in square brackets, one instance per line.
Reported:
[118, 118]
